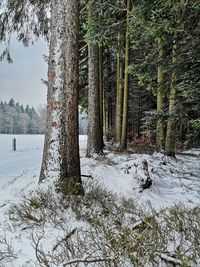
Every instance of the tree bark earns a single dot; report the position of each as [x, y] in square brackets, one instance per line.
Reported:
[160, 129]
[171, 123]
[101, 89]
[95, 142]
[61, 150]
[123, 144]
[50, 166]
[119, 93]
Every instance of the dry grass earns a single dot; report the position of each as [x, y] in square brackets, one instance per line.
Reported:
[107, 231]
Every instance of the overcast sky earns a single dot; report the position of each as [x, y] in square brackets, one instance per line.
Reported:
[22, 79]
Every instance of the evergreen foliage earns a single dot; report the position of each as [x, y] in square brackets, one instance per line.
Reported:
[155, 26]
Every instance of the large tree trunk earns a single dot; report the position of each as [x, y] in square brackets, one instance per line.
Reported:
[95, 142]
[50, 165]
[123, 144]
[171, 123]
[160, 128]
[61, 150]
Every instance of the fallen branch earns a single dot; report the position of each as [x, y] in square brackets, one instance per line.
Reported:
[170, 259]
[88, 176]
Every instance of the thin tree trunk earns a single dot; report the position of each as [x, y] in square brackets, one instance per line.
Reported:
[106, 101]
[105, 111]
[171, 124]
[95, 143]
[101, 88]
[123, 144]
[160, 128]
[61, 150]
[119, 93]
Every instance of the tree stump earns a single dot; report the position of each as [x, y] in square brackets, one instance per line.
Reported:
[147, 182]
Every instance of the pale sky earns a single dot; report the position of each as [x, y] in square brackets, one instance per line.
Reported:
[22, 79]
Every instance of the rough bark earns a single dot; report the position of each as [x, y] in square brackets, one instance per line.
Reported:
[61, 150]
[95, 142]
[119, 93]
[160, 129]
[171, 123]
[48, 168]
[101, 89]
[123, 144]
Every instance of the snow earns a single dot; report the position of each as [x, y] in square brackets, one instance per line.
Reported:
[28, 154]
[174, 180]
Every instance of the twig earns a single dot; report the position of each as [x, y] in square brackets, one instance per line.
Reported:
[87, 260]
[88, 176]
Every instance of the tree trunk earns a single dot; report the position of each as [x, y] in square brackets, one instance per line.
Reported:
[119, 94]
[49, 170]
[160, 129]
[95, 142]
[123, 144]
[61, 149]
[171, 123]
[101, 88]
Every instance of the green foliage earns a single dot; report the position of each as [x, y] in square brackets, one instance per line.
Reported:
[28, 19]
[168, 22]
[104, 19]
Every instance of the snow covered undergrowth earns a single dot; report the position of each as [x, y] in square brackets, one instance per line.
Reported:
[112, 205]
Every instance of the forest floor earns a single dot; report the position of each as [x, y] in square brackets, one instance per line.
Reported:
[33, 231]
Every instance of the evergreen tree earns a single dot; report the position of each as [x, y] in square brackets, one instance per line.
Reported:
[61, 140]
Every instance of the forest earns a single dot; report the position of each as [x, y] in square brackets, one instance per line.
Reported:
[127, 194]
[20, 119]
[138, 67]
[17, 119]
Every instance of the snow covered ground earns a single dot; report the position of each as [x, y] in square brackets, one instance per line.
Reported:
[19, 170]
[174, 180]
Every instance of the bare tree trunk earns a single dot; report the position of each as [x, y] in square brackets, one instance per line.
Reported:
[50, 166]
[101, 88]
[123, 144]
[119, 94]
[171, 123]
[61, 150]
[160, 128]
[95, 142]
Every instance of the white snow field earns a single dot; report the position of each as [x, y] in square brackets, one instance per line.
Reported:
[20, 169]
[174, 180]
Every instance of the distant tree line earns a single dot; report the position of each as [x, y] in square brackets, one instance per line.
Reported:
[19, 119]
